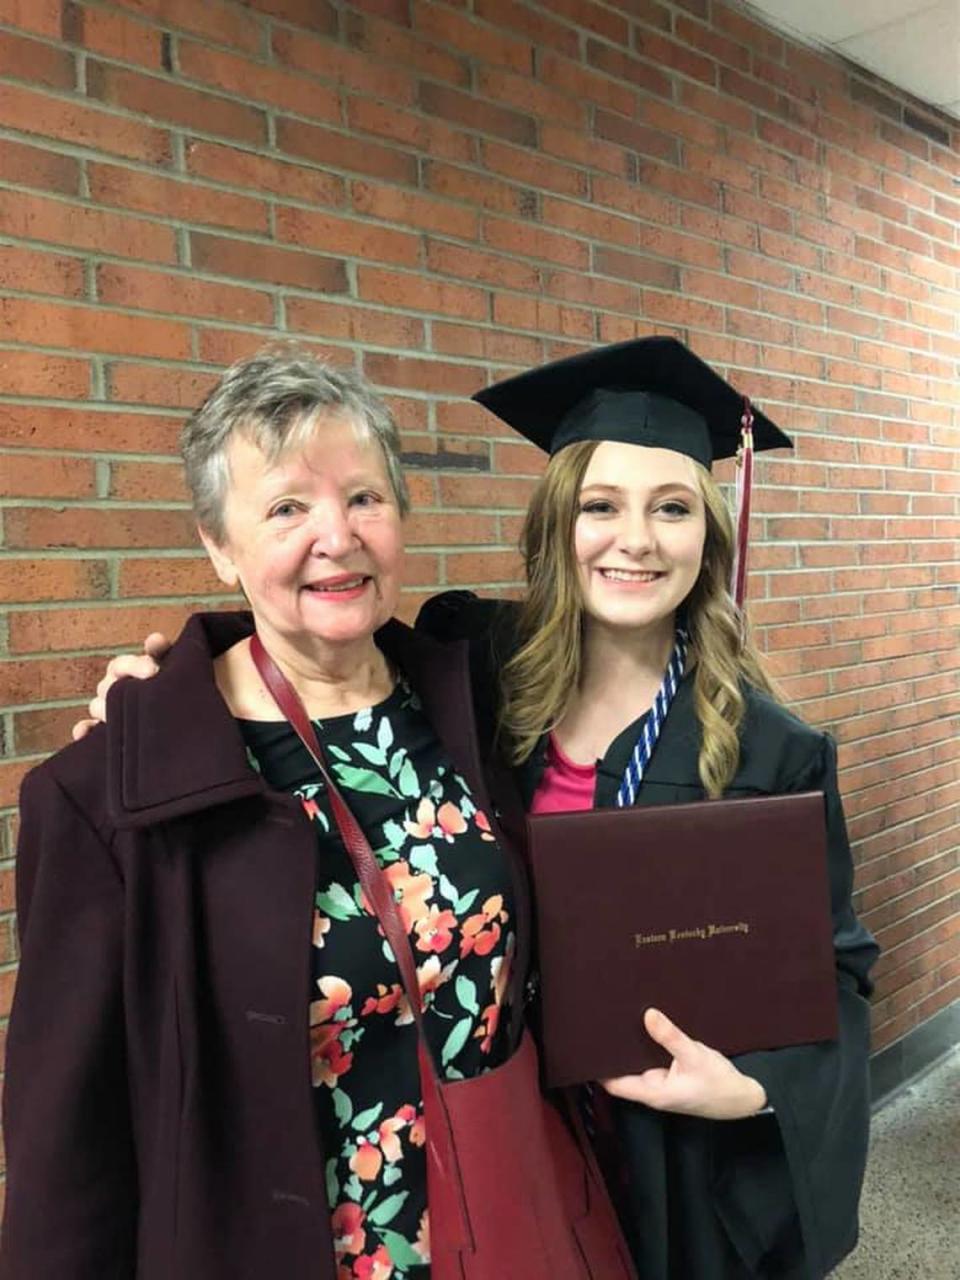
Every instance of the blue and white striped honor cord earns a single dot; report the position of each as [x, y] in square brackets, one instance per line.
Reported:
[653, 723]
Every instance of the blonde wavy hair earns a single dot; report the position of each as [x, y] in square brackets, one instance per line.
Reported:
[540, 679]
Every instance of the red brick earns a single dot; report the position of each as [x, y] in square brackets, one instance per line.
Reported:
[169, 197]
[41, 64]
[88, 527]
[446, 529]
[339, 65]
[412, 208]
[584, 13]
[254, 81]
[34, 217]
[485, 268]
[487, 344]
[91, 329]
[94, 627]
[537, 25]
[351, 237]
[469, 37]
[532, 241]
[475, 491]
[340, 151]
[514, 311]
[32, 373]
[393, 45]
[164, 100]
[42, 580]
[483, 568]
[42, 17]
[728, 52]
[220, 21]
[113, 35]
[431, 136]
[635, 136]
[181, 295]
[156, 386]
[410, 373]
[592, 153]
[245, 259]
[233, 167]
[26, 166]
[485, 117]
[480, 189]
[574, 286]
[315, 15]
[667, 53]
[28, 475]
[415, 293]
[48, 679]
[46, 730]
[518, 459]
[11, 775]
[87, 430]
[620, 64]
[595, 85]
[356, 325]
[169, 576]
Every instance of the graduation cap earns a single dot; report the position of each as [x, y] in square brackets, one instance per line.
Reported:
[649, 391]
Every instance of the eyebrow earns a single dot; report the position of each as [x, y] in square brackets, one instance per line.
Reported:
[661, 488]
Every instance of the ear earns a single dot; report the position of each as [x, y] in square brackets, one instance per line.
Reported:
[223, 566]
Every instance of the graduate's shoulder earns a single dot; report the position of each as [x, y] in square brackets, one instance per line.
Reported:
[463, 615]
[776, 742]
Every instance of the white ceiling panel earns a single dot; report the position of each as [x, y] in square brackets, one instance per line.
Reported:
[828, 21]
[921, 53]
[915, 44]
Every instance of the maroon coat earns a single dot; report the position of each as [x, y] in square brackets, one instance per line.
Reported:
[159, 1111]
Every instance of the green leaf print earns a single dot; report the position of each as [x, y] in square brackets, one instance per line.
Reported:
[363, 720]
[394, 834]
[372, 755]
[333, 1184]
[352, 1188]
[408, 782]
[385, 735]
[387, 1209]
[338, 753]
[342, 1106]
[402, 1253]
[466, 990]
[366, 780]
[424, 858]
[466, 902]
[391, 1173]
[386, 854]
[467, 807]
[336, 902]
[456, 1040]
[449, 890]
[396, 761]
[366, 1118]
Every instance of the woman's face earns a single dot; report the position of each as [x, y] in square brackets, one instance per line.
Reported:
[639, 534]
[314, 538]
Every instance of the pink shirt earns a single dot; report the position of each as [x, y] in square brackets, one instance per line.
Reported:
[565, 786]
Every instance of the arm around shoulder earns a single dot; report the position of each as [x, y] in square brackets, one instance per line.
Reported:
[71, 1174]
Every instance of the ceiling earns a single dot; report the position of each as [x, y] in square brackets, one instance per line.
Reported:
[915, 44]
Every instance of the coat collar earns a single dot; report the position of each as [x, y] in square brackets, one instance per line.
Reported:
[173, 747]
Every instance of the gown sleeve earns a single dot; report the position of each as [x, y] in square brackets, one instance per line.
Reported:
[819, 1093]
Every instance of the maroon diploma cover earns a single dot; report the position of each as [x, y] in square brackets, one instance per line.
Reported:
[717, 913]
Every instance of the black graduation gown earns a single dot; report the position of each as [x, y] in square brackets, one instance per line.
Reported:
[773, 1195]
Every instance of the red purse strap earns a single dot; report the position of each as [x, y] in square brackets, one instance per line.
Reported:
[375, 885]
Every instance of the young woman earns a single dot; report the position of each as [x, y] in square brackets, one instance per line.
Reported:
[724, 1168]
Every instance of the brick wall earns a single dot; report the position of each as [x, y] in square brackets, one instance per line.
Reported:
[442, 193]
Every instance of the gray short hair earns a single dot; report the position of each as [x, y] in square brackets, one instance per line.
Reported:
[274, 399]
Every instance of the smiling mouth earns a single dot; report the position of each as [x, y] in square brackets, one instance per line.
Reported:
[340, 584]
[630, 575]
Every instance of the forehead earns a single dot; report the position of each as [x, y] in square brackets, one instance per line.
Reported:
[321, 445]
[636, 466]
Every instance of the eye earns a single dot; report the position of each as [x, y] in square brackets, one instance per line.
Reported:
[674, 508]
[597, 507]
[367, 498]
[285, 509]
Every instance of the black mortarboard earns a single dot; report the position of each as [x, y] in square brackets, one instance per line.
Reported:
[650, 391]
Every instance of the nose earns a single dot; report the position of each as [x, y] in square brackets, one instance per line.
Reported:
[333, 533]
[636, 532]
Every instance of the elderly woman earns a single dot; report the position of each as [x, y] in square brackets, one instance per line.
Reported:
[212, 1066]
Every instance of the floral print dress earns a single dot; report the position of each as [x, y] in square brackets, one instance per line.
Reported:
[452, 885]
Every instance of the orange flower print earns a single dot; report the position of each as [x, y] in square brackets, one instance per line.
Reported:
[480, 818]
[348, 1233]
[321, 926]
[337, 995]
[374, 1266]
[438, 824]
[388, 1130]
[418, 1132]
[435, 930]
[366, 1162]
[385, 1001]
[310, 808]
[411, 890]
[422, 1243]
[430, 976]
[481, 933]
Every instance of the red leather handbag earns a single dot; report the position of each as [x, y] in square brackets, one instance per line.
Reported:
[513, 1188]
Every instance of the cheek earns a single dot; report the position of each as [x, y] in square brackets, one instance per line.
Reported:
[588, 541]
